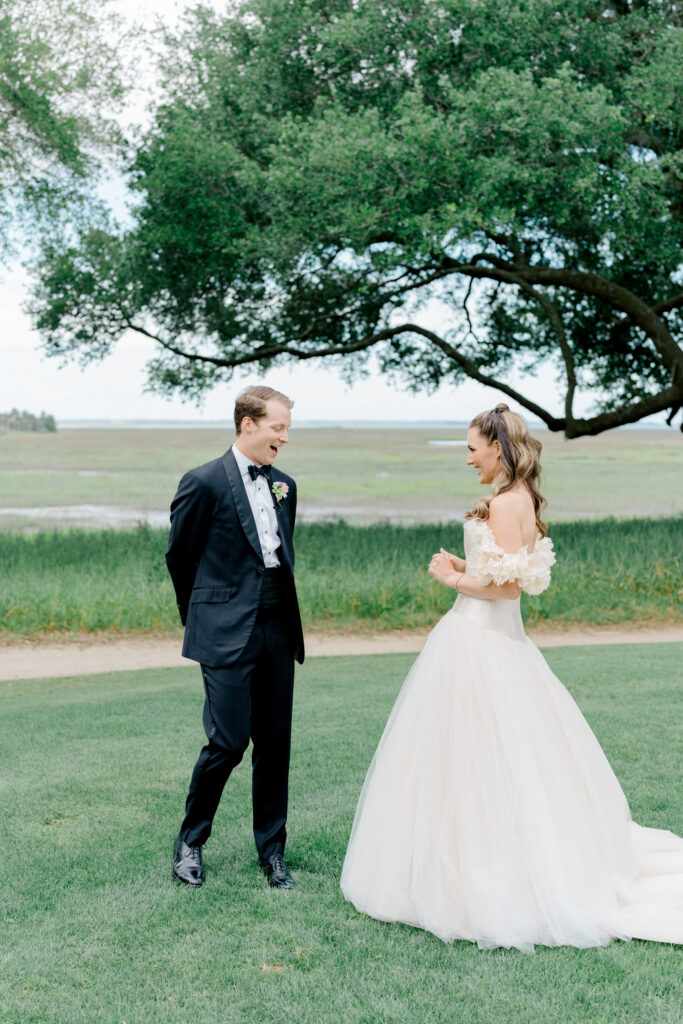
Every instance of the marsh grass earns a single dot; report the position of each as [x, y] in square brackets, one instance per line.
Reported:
[95, 932]
[362, 475]
[361, 577]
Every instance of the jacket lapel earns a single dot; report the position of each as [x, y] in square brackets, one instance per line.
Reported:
[241, 501]
[284, 528]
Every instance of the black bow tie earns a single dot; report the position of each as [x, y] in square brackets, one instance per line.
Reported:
[255, 471]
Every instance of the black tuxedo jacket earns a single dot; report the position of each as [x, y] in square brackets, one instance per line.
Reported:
[215, 561]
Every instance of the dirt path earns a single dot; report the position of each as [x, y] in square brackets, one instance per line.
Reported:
[82, 656]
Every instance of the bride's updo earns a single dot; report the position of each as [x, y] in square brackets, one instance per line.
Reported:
[519, 459]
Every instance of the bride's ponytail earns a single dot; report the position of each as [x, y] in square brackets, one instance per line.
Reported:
[519, 459]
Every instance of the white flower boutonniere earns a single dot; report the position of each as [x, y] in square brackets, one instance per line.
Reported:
[280, 489]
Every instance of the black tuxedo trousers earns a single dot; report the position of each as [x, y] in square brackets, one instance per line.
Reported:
[250, 699]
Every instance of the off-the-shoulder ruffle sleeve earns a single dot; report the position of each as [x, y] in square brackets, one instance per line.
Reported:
[490, 564]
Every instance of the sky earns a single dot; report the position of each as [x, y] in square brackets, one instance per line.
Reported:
[114, 388]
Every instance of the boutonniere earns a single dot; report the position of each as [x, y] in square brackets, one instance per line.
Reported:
[280, 490]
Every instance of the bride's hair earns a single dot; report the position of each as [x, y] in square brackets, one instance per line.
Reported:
[519, 459]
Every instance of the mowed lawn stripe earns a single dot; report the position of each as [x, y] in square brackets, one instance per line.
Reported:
[94, 929]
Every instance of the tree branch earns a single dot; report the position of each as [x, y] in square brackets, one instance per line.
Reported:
[641, 314]
[565, 348]
[271, 351]
[519, 256]
[669, 398]
[170, 347]
[666, 399]
[467, 312]
[264, 351]
[672, 413]
[473, 371]
[659, 308]
[504, 274]
[621, 298]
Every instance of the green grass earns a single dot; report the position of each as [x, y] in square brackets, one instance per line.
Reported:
[95, 932]
[371, 578]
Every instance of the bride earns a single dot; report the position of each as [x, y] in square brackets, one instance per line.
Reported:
[489, 812]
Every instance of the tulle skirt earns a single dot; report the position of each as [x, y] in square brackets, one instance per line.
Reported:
[490, 813]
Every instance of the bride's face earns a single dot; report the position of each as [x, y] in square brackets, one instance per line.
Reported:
[483, 456]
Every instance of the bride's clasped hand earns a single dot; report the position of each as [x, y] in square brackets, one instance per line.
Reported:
[490, 812]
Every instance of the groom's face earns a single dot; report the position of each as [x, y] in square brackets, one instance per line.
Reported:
[260, 440]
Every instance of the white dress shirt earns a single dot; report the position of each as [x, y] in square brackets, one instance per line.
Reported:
[261, 501]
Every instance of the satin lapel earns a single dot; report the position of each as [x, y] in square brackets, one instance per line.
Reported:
[241, 501]
[285, 531]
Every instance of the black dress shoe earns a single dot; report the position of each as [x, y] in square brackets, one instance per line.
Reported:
[276, 872]
[187, 863]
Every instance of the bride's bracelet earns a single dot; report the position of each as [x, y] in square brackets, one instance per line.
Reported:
[460, 576]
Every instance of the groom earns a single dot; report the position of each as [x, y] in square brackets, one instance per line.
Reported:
[231, 559]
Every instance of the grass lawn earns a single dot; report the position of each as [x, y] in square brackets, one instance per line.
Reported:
[94, 930]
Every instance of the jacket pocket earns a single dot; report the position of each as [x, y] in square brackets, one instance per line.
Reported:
[210, 595]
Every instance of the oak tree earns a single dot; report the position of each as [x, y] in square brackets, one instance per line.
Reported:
[330, 179]
[61, 83]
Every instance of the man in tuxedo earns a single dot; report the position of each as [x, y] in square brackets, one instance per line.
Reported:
[231, 559]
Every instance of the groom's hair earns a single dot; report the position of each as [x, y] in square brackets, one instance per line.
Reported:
[252, 403]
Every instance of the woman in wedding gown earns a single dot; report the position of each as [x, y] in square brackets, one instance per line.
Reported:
[489, 812]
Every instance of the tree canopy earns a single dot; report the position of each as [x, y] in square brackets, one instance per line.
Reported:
[330, 178]
[60, 81]
[27, 421]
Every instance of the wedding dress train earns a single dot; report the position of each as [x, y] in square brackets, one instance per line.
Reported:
[489, 812]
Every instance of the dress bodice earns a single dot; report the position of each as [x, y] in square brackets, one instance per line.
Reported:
[490, 564]
[487, 561]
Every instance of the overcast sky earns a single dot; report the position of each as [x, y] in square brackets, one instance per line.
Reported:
[113, 389]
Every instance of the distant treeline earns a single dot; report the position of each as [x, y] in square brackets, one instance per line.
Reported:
[15, 420]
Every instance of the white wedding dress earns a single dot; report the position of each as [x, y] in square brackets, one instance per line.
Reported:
[489, 812]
